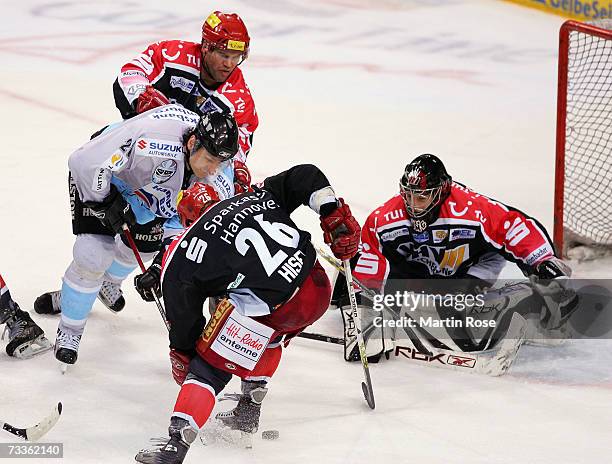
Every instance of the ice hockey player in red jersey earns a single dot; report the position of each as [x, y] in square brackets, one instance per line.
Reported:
[26, 338]
[202, 77]
[261, 269]
[437, 232]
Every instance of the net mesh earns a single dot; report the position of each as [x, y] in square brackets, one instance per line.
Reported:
[587, 214]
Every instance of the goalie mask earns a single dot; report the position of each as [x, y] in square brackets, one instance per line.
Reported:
[218, 134]
[195, 201]
[424, 187]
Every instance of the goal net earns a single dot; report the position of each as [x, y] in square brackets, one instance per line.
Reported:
[583, 179]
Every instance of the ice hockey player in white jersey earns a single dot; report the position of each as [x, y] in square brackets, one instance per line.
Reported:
[148, 236]
[130, 174]
[25, 337]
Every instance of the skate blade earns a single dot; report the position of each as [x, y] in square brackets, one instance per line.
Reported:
[30, 349]
[246, 440]
[218, 434]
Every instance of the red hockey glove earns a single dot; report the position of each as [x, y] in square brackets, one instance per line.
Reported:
[242, 178]
[341, 231]
[149, 99]
[180, 365]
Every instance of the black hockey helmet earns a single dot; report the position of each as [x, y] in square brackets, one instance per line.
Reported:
[218, 133]
[425, 179]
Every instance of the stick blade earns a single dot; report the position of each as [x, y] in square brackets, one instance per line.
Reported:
[37, 431]
[369, 395]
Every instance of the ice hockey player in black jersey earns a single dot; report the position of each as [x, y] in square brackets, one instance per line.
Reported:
[26, 338]
[246, 254]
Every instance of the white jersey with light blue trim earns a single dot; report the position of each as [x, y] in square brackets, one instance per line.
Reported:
[145, 152]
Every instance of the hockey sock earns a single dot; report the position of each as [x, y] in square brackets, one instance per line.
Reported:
[77, 302]
[118, 271]
[195, 402]
[267, 365]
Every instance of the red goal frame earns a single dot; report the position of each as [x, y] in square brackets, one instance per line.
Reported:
[564, 37]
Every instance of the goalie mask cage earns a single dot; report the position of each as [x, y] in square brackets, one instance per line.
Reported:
[583, 171]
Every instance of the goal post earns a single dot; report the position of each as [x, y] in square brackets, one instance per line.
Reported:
[583, 167]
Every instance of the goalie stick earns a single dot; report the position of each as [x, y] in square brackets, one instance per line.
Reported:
[36, 431]
[493, 362]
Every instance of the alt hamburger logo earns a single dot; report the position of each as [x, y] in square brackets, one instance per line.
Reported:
[164, 171]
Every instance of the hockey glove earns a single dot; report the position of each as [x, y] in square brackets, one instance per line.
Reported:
[340, 230]
[113, 212]
[149, 282]
[550, 281]
[180, 365]
[242, 178]
[149, 99]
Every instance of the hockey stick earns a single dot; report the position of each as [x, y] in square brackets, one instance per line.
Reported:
[36, 431]
[128, 236]
[366, 386]
[322, 338]
[371, 295]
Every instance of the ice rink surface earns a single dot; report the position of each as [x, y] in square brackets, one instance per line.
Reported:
[358, 87]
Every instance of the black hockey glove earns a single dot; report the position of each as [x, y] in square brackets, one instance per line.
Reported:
[114, 211]
[551, 282]
[149, 282]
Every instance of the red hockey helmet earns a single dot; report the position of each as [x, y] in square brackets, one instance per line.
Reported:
[194, 202]
[225, 31]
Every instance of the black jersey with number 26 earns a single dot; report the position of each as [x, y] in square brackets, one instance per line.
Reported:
[246, 245]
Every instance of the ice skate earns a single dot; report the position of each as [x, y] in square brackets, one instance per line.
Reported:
[173, 450]
[48, 303]
[245, 416]
[67, 343]
[26, 338]
[111, 296]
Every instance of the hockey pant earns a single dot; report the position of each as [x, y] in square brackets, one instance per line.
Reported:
[221, 355]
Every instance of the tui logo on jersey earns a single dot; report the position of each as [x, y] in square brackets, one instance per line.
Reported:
[164, 171]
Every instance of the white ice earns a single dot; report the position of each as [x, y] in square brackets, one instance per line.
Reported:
[358, 87]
